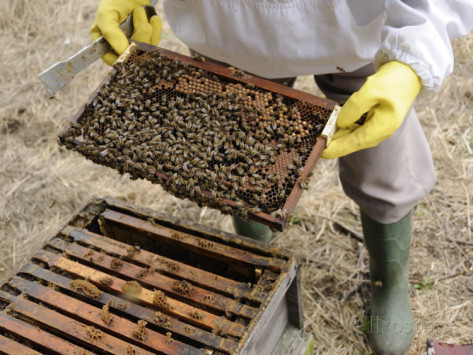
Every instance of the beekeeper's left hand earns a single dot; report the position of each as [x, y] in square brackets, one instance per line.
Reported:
[387, 96]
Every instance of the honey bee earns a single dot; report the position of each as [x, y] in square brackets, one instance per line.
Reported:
[198, 58]
[297, 162]
[304, 184]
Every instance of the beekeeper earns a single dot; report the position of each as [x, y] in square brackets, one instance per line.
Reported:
[373, 56]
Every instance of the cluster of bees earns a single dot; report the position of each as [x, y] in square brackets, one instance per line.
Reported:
[200, 136]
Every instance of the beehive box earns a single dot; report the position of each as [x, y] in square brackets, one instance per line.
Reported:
[215, 135]
[118, 279]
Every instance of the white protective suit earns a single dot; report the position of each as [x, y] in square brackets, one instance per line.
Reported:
[287, 38]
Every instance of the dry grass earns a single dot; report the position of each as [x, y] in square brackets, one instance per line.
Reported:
[41, 184]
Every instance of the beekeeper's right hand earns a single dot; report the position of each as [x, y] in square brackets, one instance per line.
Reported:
[111, 13]
[386, 96]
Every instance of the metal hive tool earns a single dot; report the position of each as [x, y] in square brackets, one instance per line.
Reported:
[116, 279]
[211, 134]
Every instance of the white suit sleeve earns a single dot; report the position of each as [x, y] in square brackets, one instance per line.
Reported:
[418, 33]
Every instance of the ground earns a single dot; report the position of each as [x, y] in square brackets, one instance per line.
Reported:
[42, 184]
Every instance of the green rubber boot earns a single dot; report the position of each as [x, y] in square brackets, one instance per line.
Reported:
[252, 229]
[391, 322]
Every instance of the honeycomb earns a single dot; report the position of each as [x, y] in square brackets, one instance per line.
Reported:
[105, 314]
[161, 300]
[86, 287]
[140, 331]
[201, 136]
[93, 333]
[183, 287]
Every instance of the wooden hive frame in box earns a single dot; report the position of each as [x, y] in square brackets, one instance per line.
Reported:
[118, 279]
[285, 126]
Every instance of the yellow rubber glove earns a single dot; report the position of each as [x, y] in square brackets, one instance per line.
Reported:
[144, 31]
[387, 96]
[111, 13]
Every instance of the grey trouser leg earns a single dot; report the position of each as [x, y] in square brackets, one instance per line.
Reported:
[387, 180]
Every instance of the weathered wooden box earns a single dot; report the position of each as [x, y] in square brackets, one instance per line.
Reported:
[118, 279]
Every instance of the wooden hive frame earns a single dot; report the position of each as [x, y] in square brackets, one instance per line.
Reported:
[201, 291]
[329, 108]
